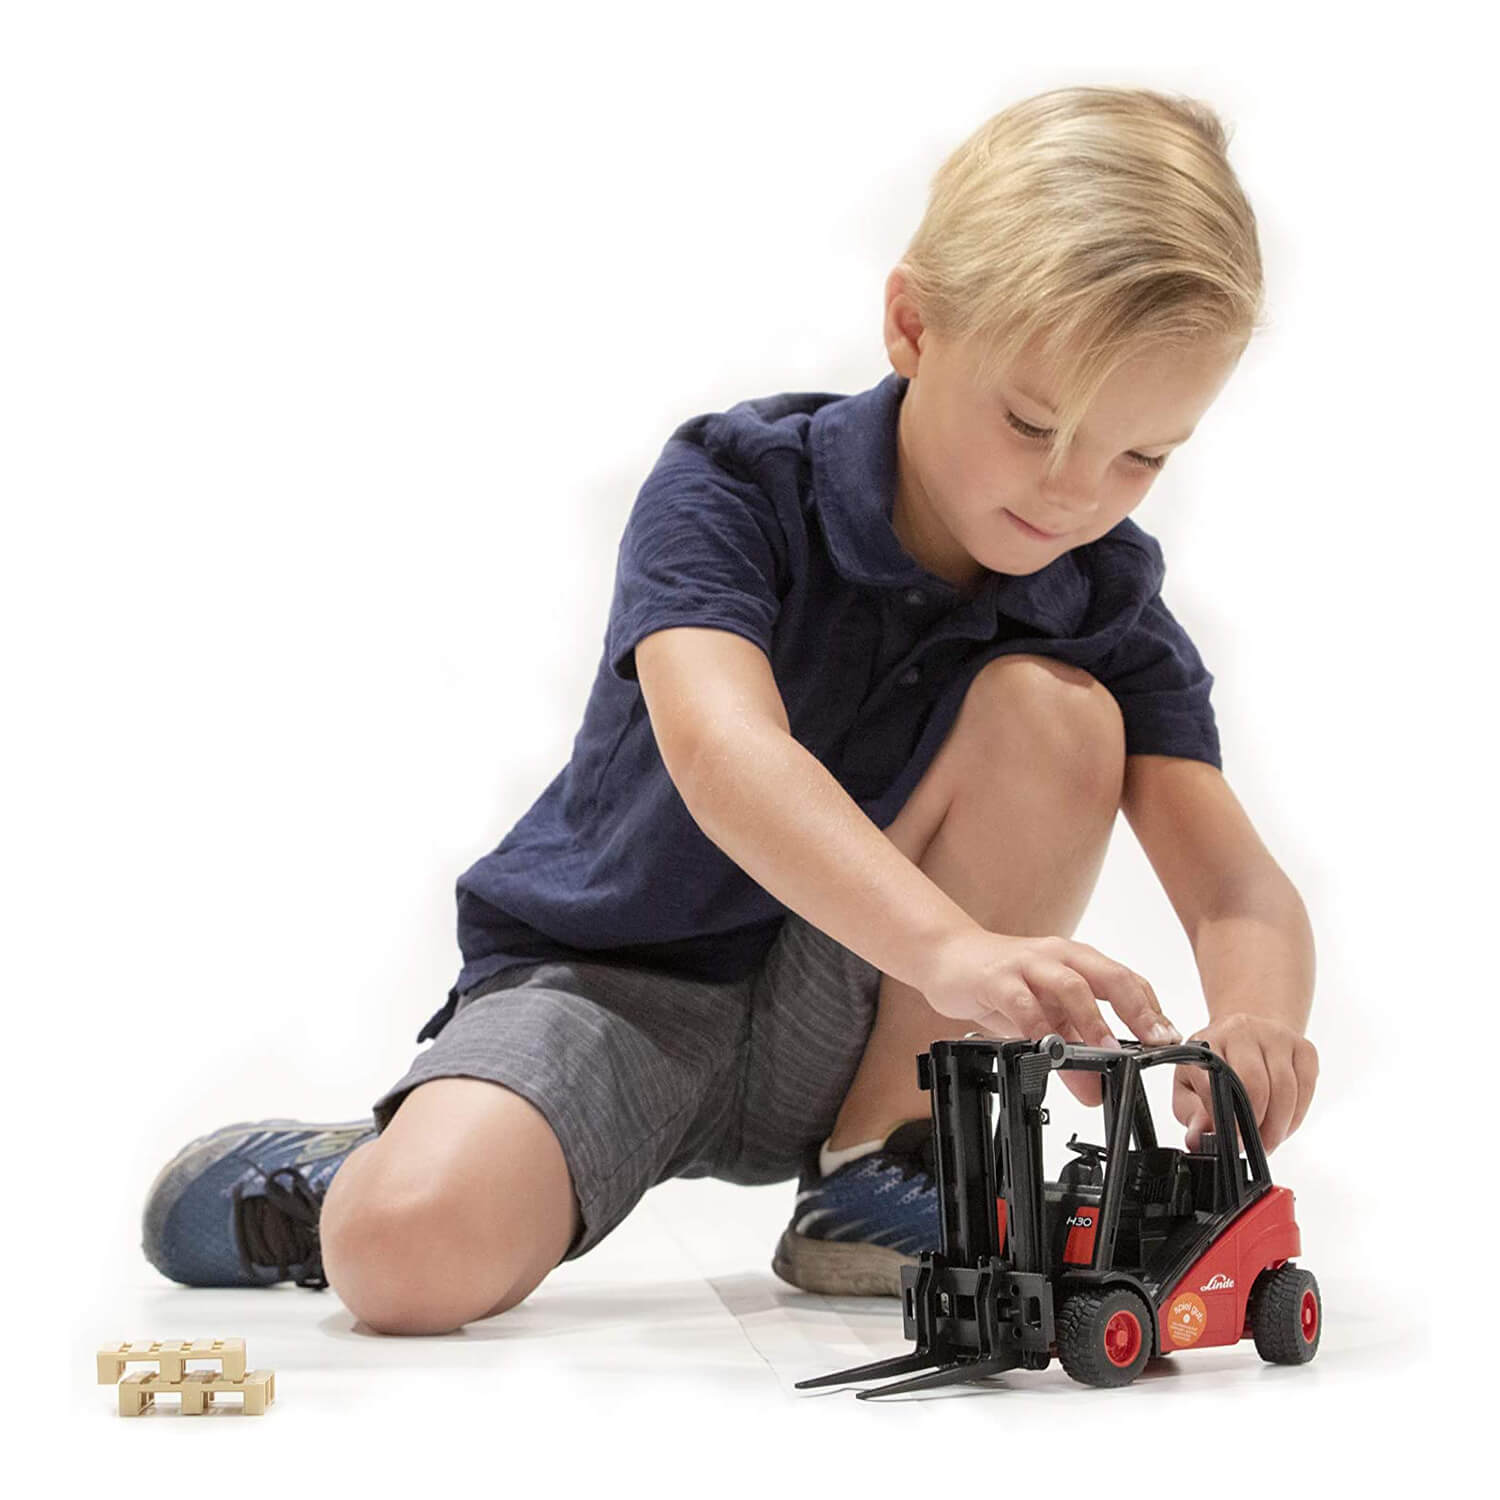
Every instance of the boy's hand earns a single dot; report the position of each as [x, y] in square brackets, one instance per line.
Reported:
[1276, 1063]
[1029, 986]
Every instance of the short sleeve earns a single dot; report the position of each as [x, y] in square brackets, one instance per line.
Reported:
[1162, 686]
[699, 548]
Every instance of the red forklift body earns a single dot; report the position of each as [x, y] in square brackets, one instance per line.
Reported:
[1208, 1305]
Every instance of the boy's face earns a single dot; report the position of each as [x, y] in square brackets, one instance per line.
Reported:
[970, 480]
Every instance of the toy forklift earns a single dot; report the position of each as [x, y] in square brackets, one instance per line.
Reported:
[1137, 1251]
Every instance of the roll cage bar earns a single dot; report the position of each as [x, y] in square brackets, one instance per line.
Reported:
[968, 1187]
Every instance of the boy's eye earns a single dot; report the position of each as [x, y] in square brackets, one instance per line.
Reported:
[1028, 431]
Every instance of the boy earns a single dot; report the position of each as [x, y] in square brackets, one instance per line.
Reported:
[879, 673]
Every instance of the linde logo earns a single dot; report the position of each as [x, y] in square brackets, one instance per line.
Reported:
[1217, 1283]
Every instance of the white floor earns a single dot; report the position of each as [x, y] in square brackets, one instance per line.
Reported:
[670, 1353]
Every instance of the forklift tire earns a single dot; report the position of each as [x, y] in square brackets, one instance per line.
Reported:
[1104, 1338]
[1286, 1315]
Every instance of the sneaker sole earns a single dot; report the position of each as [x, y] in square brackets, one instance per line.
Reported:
[839, 1270]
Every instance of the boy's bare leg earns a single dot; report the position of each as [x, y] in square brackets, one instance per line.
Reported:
[456, 1211]
[1012, 819]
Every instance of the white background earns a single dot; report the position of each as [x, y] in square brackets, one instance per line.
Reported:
[336, 342]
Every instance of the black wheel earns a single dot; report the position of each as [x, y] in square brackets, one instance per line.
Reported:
[1286, 1315]
[1104, 1338]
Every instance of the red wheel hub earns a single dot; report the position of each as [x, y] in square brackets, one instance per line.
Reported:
[1122, 1338]
[1309, 1315]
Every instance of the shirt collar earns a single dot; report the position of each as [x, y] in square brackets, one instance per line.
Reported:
[853, 446]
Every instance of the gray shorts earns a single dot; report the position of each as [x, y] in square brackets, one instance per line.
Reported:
[644, 1076]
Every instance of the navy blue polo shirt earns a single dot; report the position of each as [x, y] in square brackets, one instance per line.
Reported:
[773, 520]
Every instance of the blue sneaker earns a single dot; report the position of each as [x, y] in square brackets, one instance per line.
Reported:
[240, 1206]
[853, 1230]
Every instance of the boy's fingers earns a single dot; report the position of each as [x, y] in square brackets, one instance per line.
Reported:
[1190, 1095]
[1183, 1103]
[1131, 998]
[1276, 1125]
[1305, 1065]
[1250, 1063]
[1086, 1087]
[1176, 1035]
[1069, 999]
[1194, 1116]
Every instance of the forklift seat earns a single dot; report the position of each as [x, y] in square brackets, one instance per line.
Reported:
[1158, 1184]
[1165, 1188]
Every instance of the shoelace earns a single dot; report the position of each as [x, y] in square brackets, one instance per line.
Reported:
[281, 1228]
[923, 1159]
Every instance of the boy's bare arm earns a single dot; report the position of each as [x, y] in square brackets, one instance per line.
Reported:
[812, 847]
[773, 807]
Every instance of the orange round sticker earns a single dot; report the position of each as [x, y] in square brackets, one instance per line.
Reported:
[1187, 1319]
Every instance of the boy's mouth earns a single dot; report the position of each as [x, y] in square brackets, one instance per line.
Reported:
[1031, 530]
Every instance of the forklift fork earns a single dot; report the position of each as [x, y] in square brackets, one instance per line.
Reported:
[973, 1310]
[950, 1374]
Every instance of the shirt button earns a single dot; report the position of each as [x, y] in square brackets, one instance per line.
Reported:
[915, 596]
[909, 676]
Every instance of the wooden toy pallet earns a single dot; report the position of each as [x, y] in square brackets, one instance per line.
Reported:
[195, 1389]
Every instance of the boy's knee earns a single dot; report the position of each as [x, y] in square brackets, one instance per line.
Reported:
[1063, 713]
[408, 1260]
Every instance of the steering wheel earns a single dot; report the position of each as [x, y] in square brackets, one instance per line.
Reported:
[1099, 1153]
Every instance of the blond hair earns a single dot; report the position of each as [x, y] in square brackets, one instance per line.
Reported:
[1101, 223]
